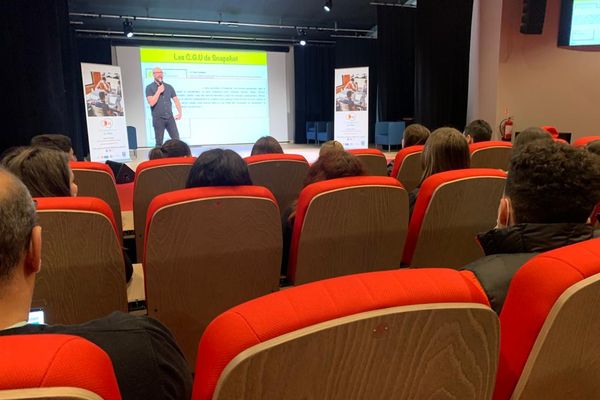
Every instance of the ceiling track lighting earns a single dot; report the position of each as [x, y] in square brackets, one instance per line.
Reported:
[328, 5]
[128, 28]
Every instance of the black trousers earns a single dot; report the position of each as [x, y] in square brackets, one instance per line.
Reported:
[160, 125]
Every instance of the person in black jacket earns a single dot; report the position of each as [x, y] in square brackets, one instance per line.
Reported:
[148, 363]
[550, 192]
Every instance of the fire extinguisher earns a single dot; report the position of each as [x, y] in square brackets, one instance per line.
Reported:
[506, 128]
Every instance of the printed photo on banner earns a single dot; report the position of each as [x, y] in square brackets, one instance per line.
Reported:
[351, 93]
[103, 94]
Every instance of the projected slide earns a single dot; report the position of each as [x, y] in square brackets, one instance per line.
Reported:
[585, 25]
[224, 94]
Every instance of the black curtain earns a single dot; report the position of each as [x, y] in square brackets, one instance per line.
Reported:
[442, 62]
[396, 28]
[42, 85]
[361, 53]
[313, 77]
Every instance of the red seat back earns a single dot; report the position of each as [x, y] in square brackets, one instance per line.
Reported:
[408, 168]
[373, 160]
[46, 361]
[532, 293]
[277, 314]
[348, 225]
[452, 207]
[583, 141]
[152, 178]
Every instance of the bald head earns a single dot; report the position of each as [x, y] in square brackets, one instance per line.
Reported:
[157, 72]
[17, 220]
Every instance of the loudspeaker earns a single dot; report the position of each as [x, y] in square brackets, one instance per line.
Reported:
[532, 20]
[123, 174]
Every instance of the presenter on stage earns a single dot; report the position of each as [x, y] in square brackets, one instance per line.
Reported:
[159, 95]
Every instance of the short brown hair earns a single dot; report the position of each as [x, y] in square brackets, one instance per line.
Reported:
[44, 172]
[53, 141]
[334, 164]
[415, 134]
[330, 145]
[266, 145]
[445, 150]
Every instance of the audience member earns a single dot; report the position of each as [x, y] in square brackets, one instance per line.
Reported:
[445, 150]
[266, 145]
[46, 173]
[593, 147]
[530, 135]
[330, 165]
[170, 148]
[56, 142]
[218, 167]
[147, 362]
[478, 131]
[550, 193]
[330, 145]
[414, 135]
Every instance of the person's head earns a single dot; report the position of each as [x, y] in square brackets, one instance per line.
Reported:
[478, 131]
[550, 183]
[104, 78]
[446, 149]
[218, 167]
[20, 242]
[332, 165]
[102, 96]
[266, 145]
[349, 94]
[531, 135]
[157, 73]
[170, 148]
[415, 134]
[56, 142]
[45, 172]
[593, 147]
[330, 145]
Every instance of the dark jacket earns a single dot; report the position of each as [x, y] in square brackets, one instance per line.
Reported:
[147, 361]
[508, 249]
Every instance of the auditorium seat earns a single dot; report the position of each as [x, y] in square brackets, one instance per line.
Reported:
[83, 271]
[491, 154]
[209, 249]
[418, 334]
[152, 178]
[373, 160]
[324, 131]
[451, 209]
[95, 179]
[282, 174]
[549, 342]
[55, 367]
[348, 225]
[584, 141]
[311, 131]
[407, 167]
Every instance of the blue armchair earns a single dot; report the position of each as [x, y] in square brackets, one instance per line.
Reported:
[311, 131]
[324, 131]
[390, 136]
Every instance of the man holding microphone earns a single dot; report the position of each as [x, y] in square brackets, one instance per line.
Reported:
[159, 95]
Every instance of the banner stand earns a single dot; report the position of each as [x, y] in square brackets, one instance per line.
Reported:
[351, 108]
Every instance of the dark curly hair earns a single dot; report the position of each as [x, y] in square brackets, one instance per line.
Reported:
[553, 183]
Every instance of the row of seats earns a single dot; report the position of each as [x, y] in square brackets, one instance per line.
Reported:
[418, 333]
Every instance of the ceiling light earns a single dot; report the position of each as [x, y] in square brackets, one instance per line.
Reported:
[327, 6]
[303, 42]
[128, 28]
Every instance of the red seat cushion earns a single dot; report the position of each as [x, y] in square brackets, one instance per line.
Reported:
[83, 204]
[533, 291]
[274, 157]
[310, 192]
[402, 154]
[282, 312]
[96, 166]
[426, 193]
[43, 361]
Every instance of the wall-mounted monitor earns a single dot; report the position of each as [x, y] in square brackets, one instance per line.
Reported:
[580, 24]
